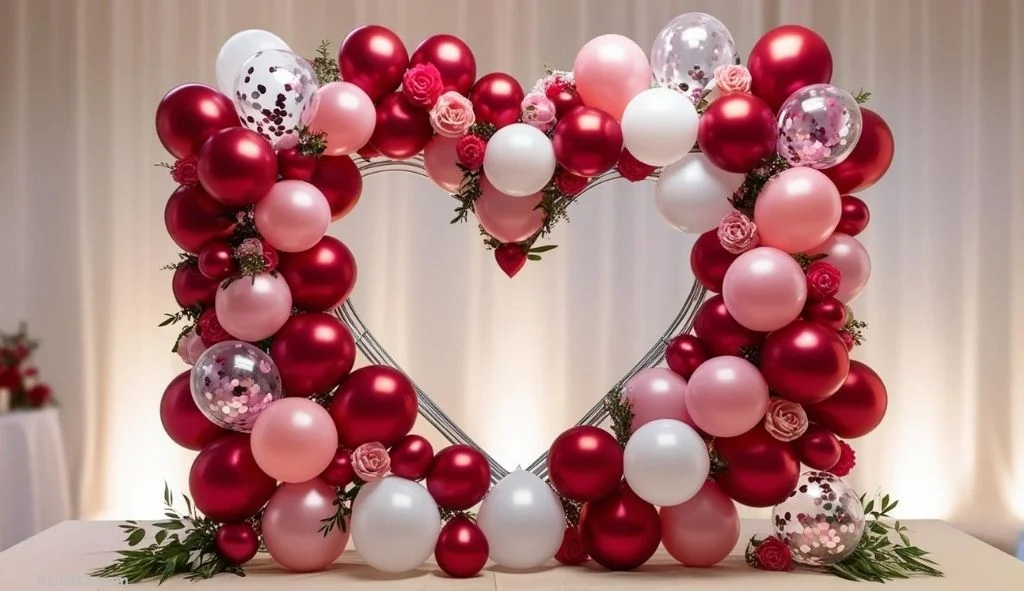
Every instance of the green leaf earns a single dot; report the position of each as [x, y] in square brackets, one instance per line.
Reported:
[168, 499]
[869, 507]
[161, 536]
[136, 537]
[170, 524]
[545, 248]
[533, 257]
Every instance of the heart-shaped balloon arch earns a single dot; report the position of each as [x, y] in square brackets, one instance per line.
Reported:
[759, 159]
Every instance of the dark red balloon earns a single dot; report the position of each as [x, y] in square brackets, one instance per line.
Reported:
[462, 548]
[194, 219]
[236, 543]
[294, 165]
[184, 422]
[786, 59]
[452, 58]
[374, 59]
[339, 180]
[857, 407]
[855, 216]
[459, 477]
[189, 114]
[225, 482]
[761, 470]
[737, 132]
[411, 457]
[237, 166]
[313, 352]
[571, 552]
[587, 141]
[339, 472]
[720, 332]
[709, 260]
[684, 354]
[374, 403]
[804, 361]
[621, 531]
[870, 158]
[497, 99]
[320, 278]
[585, 463]
[191, 287]
[565, 99]
[828, 312]
[217, 261]
[818, 448]
[402, 130]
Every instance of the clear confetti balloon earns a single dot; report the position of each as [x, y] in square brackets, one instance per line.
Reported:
[818, 126]
[822, 521]
[233, 382]
[275, 94]
[687, 51]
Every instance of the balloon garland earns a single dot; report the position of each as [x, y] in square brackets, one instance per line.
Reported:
[300, 451]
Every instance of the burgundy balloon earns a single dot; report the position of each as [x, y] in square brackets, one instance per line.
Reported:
[374, 403]
[294, 165]
[237, 166]
[225, 482]
[620, 531]
[684, 354]
[737, 132]
[761, 470]
[857, 407]
[313, 352]
[339, 180]
[189, 114]
[571, 552]
[459, 477]
[855, 216]
[411, 457]
[720, 332]
[339, 472]
[217, 261]
[374, 59]
[565, 99]
[191, 287]
[497, 99]
[786, 59]
[452, 58]
[804, 361]
[402, 130]
[709, 260]
[587, 141]
[870, 158]
[818, 448]
[320, 278]
[828, 312]
[461, 549]
[236, 543]
[182, 420]
[194, 219]
[585, 463]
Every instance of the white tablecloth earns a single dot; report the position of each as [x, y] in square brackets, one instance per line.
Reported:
[34, 491]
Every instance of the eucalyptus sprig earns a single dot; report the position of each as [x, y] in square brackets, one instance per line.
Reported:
[856, 330]
[621, 413]
[343, 500]
[805, 260]
[312, 143]
[324, 65]
[449, 514]
[469, 192]
[746, 195]
[862, 96]
[184, 260]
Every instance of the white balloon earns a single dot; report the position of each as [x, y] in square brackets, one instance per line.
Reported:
[692, 195]
[519, 160]
[395, 524]
[659, 126]
[523, 521]
[666, 462]
[239, 48]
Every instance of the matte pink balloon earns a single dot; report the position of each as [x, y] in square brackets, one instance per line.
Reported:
[507, 218]
[346, 114]
[290, 523]
[442, 164]
[726, 396]
[656, 393]
[610, 70]
[847, 254]
[702, 531]
[764, 289]
[254, 308]
[798, 209]
[294, 439]
[293, 216]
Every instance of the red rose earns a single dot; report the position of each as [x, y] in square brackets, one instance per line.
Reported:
[822, 280]
[184, 171]
[470, 151]
[848, 339]
[422, 85]
[569, 183]
[632, 169]
[770, 553]
[571, 551]
[557, 86]
[210, 330]
[39, 395]
[847, 460]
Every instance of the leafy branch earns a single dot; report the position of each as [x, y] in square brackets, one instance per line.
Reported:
[862, 96]
[343, 500]
[856, 330]
[324, 65]
[449, 514]
[621, 413]
[469, 192]
[312, 143]
[745, 197]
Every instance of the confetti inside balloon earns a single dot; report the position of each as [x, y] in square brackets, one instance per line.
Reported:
[822, 521]
[818, 126]
[233, 382]
[274, 95]
[687, 51]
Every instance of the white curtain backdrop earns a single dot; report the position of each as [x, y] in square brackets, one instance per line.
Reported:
[515, 361]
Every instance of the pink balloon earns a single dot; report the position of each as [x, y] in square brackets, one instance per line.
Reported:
[702, 531]
[346, 114]
[294, 439]
[290, 523]
[610, 70]
[507, 218]
[656, 393]
[798, 209]
[764, 289]
[442, 164]
[254, 308]
[726, 396]
[293, 216]
[847, 254]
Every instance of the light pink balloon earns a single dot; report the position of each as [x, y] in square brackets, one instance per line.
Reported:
[847, 254]
[702, 531]
[254, 308]
[656, 393]
[290, 523]
[442, 164]
[609, 71]
[294, 439]
[293, 216]
[507, 218]
[764, 289]
[726, 396]
[346, 114]
[798, 209]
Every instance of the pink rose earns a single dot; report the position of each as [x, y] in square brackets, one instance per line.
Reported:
[538, 111]
[785, 420]
[470, 151]
[190, 346]
[422, 85]
[370, 461]
[737, 233]
[823, 280]
[732, 79]
[452, 115]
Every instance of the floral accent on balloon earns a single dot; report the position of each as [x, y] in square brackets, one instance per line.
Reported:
[732, 79]
[768, 553]
[737, 233]
[255, 256]
[539, 111]
[847, 460]
[210, 330]
[370, 461]
[470, 151]
[422, 85]
[452, 115]
[823, 280]
[190, 346]
[785, 420]
[184, 171]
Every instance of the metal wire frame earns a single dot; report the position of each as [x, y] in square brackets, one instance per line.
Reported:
[375, 352]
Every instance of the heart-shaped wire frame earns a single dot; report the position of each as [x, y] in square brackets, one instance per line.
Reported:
[372, 349]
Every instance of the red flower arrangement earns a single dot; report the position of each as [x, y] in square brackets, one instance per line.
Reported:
[768, 553]
[19, 382]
